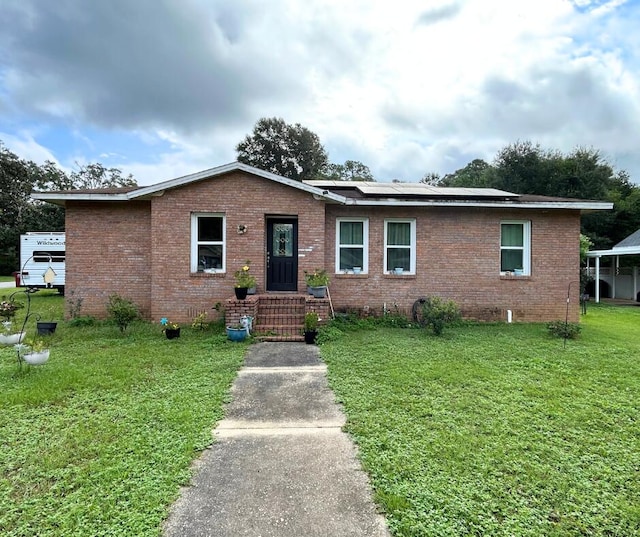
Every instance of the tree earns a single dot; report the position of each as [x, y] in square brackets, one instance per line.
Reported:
[291, 151]
[431, 179]
[475, 174]
[525, 168]
[351, 170]
[95, 175]
[19, 213]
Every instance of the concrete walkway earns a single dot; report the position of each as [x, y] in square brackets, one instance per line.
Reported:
[281, 465]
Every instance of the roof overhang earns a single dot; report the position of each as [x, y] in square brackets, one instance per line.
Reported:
[512, 204]
[630, 250]
[373, 194]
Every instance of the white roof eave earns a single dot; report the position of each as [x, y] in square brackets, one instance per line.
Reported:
[630, 250]
[487, 204]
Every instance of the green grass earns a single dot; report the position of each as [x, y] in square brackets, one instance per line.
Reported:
[7, 279]
[488, 430]
[98, 440]
[497, 430]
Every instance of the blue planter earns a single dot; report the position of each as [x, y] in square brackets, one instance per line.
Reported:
[236, 334]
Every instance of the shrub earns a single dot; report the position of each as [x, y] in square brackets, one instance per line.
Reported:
[200, 321]
[82, 320]
[437, 313]
[317, 278]
[122, 311]
[311, 321]
[564, 330]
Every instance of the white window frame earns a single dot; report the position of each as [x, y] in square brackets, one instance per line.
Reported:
[526, 247]
[412, 246]
[195, 243]
[364, 245]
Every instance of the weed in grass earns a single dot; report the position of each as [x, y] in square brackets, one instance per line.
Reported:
[564, 329]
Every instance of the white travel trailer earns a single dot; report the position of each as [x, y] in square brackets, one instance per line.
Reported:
[42, 261]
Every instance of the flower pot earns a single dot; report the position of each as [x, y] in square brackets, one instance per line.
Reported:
[241, 292]
[11, 339]
[172, 333]
[310, 336]
[357, 270]
[46, 328]
[398, 270]
[251, 291]
[236, 334]
[319, 292]
[36, 358]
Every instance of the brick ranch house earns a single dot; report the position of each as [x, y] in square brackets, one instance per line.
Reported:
[173, 247]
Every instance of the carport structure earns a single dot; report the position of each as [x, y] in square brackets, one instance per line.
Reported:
[628, 246]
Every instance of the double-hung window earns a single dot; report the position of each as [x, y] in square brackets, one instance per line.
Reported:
[208, 231]
[400, 246]
[515, 247]
[352, 238]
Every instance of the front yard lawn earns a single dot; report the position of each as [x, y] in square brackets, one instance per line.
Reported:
[498, 429]
[490, 430]
[98, 440]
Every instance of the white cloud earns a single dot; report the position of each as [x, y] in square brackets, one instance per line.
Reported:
[406, 88]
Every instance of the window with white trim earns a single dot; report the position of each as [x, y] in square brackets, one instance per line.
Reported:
[208, 247]
[400, 246]
[515, 247]
[352, 239]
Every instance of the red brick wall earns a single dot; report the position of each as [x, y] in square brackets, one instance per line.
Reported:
[108, 251]
[245, 200]
[458, 258]
[142, 250]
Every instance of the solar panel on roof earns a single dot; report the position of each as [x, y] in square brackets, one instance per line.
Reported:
[412, 189]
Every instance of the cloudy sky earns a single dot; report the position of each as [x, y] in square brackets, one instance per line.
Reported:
[163, 88]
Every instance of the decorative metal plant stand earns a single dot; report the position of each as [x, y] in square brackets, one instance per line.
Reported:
[39, 357]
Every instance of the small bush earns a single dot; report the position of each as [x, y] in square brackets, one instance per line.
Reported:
[82, 320]
[564, 330]
[200, 321]
[437, 313]
[328, 333]
[122, 311]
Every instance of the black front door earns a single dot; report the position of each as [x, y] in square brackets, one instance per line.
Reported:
[282, 254]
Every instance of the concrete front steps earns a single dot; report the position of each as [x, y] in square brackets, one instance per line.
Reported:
[277, 317]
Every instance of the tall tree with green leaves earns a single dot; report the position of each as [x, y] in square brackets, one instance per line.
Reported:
[19, 213]
[291, 151]
[351, 170]
[16, 183]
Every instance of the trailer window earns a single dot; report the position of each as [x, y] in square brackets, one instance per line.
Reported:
[43, 257]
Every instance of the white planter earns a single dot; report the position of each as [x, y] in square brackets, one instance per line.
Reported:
[36, 358]
[11, 339]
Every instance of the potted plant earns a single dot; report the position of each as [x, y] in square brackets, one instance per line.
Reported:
[244, 281]
[46, 328]
[9, 338]
[35, 352]
[310, 327]
[237, 332]
[317, 282]
[9, 307]
[171, 330]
